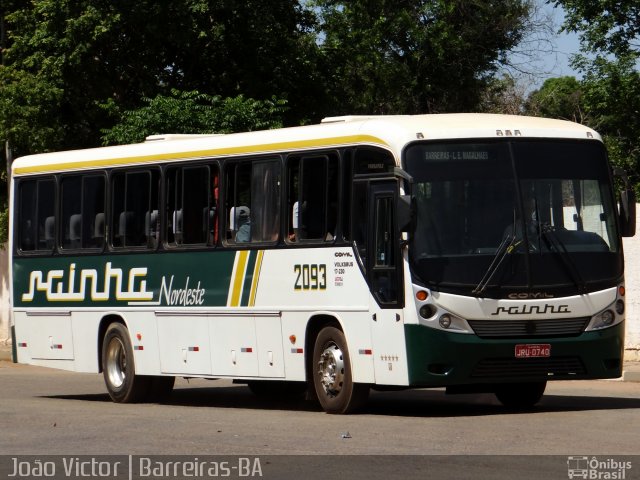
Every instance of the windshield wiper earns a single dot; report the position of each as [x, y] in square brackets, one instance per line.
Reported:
[556, 245]
[507, 246]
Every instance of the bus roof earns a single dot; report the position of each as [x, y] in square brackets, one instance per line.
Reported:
[392, 132]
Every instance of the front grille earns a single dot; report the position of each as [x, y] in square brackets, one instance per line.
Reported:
[529, 367]
[559, 327]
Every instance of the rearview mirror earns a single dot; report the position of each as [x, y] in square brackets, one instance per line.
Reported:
[406, 213]
[627, 214]
[627, 207]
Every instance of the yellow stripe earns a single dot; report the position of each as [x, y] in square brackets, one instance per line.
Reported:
[238, 278]
[254, 281]
[216, 152]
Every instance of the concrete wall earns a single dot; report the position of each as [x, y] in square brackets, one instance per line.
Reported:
[632, 284]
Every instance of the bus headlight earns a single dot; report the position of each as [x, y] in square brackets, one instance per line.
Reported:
[606, 318]
[445, 320]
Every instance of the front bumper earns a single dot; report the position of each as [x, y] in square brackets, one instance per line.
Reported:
[437, 358]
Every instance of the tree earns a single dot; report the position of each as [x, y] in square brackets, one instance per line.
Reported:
[194, 112]
[390, 56]
[612, 97]
[504, 95]
[611, 86]
[558, 98]
[71, 66]
[608, 26]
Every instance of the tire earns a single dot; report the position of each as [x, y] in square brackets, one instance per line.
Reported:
[332, 378]
[118, 367]
[277, 389]
[520, 396]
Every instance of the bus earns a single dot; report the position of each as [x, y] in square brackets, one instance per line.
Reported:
[472, 252]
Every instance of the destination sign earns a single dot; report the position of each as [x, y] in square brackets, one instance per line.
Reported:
[456, 155]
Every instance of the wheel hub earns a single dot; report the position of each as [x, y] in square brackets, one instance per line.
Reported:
[331, 370]
[116, 363]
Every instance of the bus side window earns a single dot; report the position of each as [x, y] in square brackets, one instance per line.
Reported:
[313, 197]
[93, 203]
[293, 198]
[28, 215]
[191, 208]
[70, 218]
[82, 199]
[134, 195]
[252, 201]
[359, 216]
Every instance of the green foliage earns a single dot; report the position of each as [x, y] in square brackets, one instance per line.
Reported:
[4, 226]
[608, 26]
[611, 85]
[558, 98]
[607, 99]
[612, 94]
[27, 103]
[389, 56]
[194, 112]
[69, 66]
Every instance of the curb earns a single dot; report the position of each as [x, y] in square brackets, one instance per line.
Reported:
[631, 375]
[5, 354]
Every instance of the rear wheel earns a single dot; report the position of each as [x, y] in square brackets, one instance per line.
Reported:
[332, 378]
[118, 367]
[520, 395]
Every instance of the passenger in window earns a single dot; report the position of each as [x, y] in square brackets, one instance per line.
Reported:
[293, 236]
[243, 224]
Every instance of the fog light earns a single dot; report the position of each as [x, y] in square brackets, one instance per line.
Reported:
[445, 321]
[620, 307]
[427, 311]
[607, 317]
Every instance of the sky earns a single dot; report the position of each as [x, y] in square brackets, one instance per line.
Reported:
[556, 64]
[566, 44]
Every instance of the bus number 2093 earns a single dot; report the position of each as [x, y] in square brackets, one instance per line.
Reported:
[310, 276]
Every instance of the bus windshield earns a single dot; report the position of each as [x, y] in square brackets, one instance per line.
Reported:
[497, 217]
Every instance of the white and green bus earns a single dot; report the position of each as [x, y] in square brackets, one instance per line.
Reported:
[481, 253]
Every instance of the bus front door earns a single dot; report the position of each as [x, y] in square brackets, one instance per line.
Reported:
[376, 240]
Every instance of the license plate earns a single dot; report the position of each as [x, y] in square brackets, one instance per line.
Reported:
[533, 350]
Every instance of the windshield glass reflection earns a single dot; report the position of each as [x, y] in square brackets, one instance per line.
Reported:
[548, 204]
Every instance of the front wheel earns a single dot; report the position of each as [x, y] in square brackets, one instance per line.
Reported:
[118, 367]
[520, 396]
[332, 378]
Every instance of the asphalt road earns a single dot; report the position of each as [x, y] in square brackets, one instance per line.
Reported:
[51, 412]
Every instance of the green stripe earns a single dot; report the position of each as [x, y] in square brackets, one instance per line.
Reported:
[248, 278]
[209, 271]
